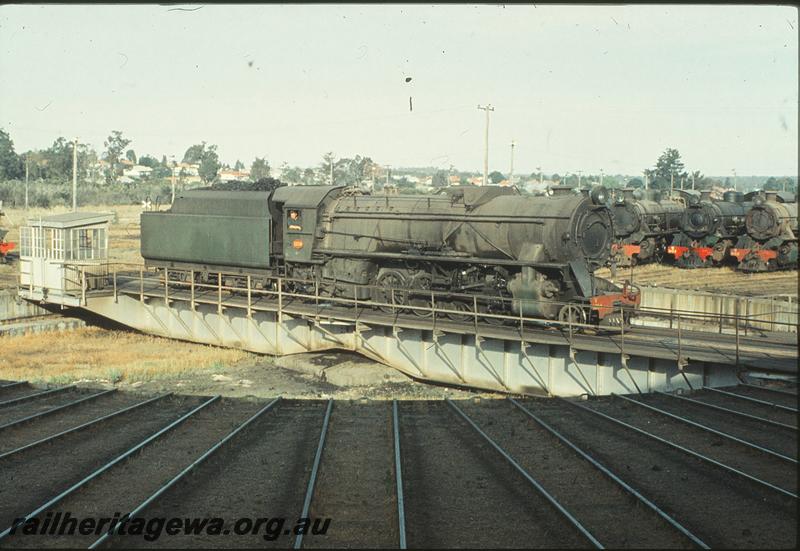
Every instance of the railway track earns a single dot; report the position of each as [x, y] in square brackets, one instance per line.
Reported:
[622, 471]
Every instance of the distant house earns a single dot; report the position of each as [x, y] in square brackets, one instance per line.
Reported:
[454, 180]
[229, 175]
[137, 171]
[189, 169]
[476, 180]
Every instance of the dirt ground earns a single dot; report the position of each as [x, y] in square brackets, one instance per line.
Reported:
[720, 280]
[129, 360]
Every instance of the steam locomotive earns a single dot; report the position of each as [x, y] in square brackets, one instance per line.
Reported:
[709, 229]
[644, 225]
[484, 246]
[771, 239]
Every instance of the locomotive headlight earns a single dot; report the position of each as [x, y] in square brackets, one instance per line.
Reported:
[297, 244]
[599, 195]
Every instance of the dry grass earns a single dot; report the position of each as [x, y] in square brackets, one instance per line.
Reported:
[93, 354]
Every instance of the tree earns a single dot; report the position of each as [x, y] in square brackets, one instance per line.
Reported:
[11, 165]
[164, 161]
[194, 154]
[496, 177]
[440, 179]
[115, 144]
[131, 156]
[292, 174]
[259, 169]
[635, 183]
[669, 165]
[209, 164]
[147, 160]
[238, 166]
[325, 168]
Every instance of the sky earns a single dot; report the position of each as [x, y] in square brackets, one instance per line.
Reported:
[577, 88]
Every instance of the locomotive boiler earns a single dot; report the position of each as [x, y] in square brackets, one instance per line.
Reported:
[488, 247]
[644, 225]
[709, 229]
[771, 239]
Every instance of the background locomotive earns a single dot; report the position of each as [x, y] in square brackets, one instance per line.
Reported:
[709, 229]
[644, 225]
[771, 239]
[502, 250]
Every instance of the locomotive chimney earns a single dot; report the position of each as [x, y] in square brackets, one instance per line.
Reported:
[772, 196]
[627, 193]
[705, 195]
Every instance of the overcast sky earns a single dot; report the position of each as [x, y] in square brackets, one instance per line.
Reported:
[577, 87]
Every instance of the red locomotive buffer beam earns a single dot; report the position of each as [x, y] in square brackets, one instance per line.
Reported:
[764, 254]
[6, 247]
[678, 251]
[627, 250]
[606, 304]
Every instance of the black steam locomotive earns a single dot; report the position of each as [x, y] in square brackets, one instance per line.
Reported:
[709, 229]
[488, 246]
[771, 239]
[644, 225]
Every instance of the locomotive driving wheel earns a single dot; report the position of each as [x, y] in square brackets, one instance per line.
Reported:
[459, 306]
[422, 282]
[571, 313]
[390, 294]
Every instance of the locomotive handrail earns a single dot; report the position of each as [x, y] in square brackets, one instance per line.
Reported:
[112, 271]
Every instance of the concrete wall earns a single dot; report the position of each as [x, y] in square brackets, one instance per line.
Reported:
[769, 314]
[12, 307]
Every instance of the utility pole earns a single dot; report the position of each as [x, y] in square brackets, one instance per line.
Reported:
[645, 179]
[26, 185]
[330, 175]
[511, 172]
[75, 175]
[487, 108]
[541, 176]
[692, 180]
[671, 182]
[601, 176]
[173, 180]
[579, 178]
[734, 179]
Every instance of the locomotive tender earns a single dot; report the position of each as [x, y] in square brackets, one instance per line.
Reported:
[709, 229]
[644, 224]
[771, 239]
[505, 251]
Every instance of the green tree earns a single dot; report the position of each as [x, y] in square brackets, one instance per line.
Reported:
[147, 160]
[292, 174]
[115, 144]
[440, 179]
[239, 165]
[496, 177]
[324, 169]
[259, 169]
[195, 153]
[11, 165]
[668, 165]
[209, 164]
[635, 183]
[131, 156]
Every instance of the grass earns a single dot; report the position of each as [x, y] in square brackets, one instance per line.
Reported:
[92, 354]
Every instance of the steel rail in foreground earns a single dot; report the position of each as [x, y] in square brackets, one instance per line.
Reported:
[687, 451]
[709, 429]
[401, 512]
[104, 468]
[10, 385]
[56, 409]
[775, 390]
[183, 473]
[625, 486]
[560, 508]
[312, 479]
[83, 426]
[728, 410]
[749, 399]
[35, 395]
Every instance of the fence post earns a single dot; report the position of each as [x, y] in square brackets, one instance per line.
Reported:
[219, 293]
[141, 284]
[115, 285]
[736, 322]
[166, 287]
[191, 287]
[83, 285]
